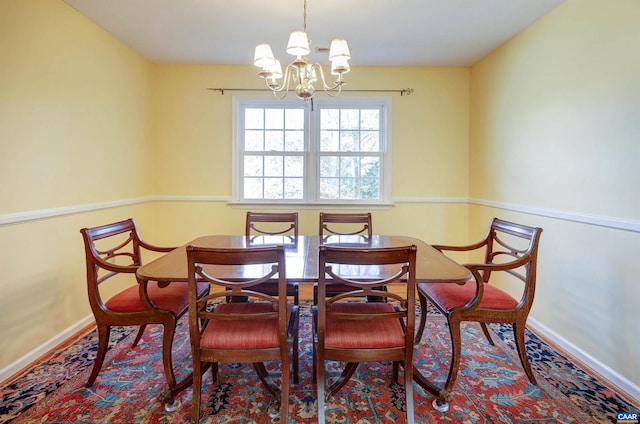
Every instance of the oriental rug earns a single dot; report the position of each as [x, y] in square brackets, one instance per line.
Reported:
[491, 385]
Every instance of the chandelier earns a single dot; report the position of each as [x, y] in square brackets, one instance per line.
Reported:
[300, 72]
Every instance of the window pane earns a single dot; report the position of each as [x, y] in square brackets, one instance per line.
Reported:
[294, 141]
[273, 141]
[348, 188]
[329, 188]
[350, 119]
[370, 188]
[273, 188]
[254, 118]
[293, 188]
[330, 119]
[369, 119]
[294, 166]
[294, 119]
[369, 141]
[348, 167]
[273, 166]
[349, 141]
[253, 188]
[274, 118]
[253, 140]
[329, 141]
[253, 166]
[370, 167]
[329, 166]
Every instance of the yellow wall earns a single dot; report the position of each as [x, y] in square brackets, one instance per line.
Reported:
[192, 148]
[74, 123]
[91, 132]
[542, 130]
[555, 130]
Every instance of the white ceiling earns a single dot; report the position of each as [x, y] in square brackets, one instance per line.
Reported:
[379, 32]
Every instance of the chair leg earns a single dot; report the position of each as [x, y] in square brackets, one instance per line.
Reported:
[284, 390]
[167, 343]
[296, 350]
[518, 332]
[485, 330]
[320, 388]
[408, 387]
[104, 332]
[456, 349]
[139, 335]
[349, 369]
[197, 390]
[423, 317]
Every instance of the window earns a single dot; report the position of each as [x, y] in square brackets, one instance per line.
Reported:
[333, 151]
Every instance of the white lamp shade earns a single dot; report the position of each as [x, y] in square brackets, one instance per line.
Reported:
[263, 57]
[340, 66]
[339, 50]
[275, 70]
[298, 44]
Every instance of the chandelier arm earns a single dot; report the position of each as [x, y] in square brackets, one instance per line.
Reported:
[337, 85]
[285, 82]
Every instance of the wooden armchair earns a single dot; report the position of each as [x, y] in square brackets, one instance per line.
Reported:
[349, 329]
[262, 227]
[510, 257]
[346, 229]
[255, 331]
[113, 250]
[345, 224]
[283, 224]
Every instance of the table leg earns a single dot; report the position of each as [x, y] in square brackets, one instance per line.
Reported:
[441, 403]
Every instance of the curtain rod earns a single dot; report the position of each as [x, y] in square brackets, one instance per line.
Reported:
[402, 92]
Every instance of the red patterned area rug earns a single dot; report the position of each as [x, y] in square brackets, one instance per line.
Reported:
[491, 386]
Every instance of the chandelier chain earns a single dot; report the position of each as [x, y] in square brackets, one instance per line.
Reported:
[304, 17]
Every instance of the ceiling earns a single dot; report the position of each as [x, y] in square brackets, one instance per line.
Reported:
[379, 32]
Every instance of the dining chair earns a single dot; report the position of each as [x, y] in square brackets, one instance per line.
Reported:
[510, 253]
[113, 252]
[261, 329]
[264, 226]
[349, 329]
[345, 224]
[283, 224]
[343, 228]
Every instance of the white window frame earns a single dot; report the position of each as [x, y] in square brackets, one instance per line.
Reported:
[311, 154]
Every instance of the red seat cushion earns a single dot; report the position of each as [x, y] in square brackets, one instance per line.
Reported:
[449, 295]
[363, 334]
[174, 297]
[242, 334]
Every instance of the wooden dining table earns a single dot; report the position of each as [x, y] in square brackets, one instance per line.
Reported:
[301, 265]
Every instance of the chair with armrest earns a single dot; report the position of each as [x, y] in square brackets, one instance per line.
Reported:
[264, 225]
[258, 330]
[345, 224]
[267, 224]
[343, 228]
[275, 228]
[115, 250]
[510, 257]
[349, 329]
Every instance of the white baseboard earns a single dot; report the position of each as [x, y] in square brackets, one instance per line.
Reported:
[21, 363]
[622, 383]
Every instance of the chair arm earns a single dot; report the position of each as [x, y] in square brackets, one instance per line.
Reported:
[463, 248]
[154, 248]
[486, 269]
[109, 266]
